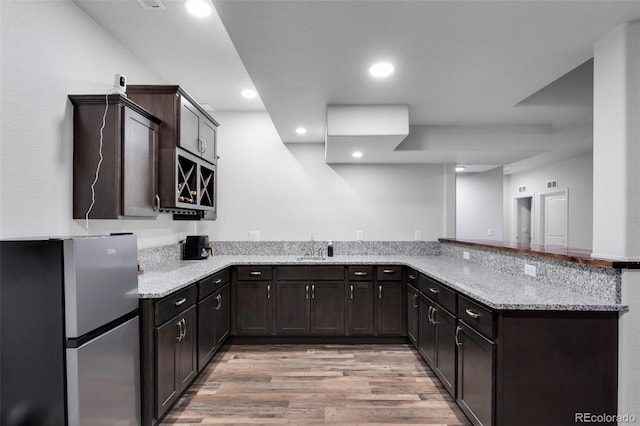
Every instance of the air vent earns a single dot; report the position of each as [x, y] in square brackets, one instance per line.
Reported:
[151, 5]
[552, 184]
[522, 188]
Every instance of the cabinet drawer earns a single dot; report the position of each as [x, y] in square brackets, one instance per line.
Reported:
[476, 316]
[438, 292]
[175, 303]
[306, 273]
[389, 273]
[360, 273]
[412, 277]
[208, 285]
[254, 273]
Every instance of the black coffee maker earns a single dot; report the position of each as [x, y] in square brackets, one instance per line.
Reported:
[196, 247]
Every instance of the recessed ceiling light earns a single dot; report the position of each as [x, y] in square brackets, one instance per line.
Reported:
[381, 69]
[301, 130]
[199, 8]
[356, 154]
[249, 94]
[459, 168]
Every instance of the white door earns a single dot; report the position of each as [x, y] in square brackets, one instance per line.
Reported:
[555, 220]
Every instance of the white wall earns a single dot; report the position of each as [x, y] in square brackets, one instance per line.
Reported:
[479, 205]
[50, 50]
[288, 192]
[576, 174]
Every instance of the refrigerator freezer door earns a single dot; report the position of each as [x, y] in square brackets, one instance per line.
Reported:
[101, 281]
[103, 378]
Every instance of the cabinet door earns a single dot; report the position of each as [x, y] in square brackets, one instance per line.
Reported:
[187, 350]
[360, 308]
[327, 308]
[391, 305]
[189, 127]
[140, 151]
[445, 349]
[166, 390]
[293, 308]
[427, 332]
[206, 329]
[413, 315]
[254, 312]
[222, 315]
[208, 140]
[475, 375]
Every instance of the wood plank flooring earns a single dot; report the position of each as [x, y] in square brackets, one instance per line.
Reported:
[316, 384]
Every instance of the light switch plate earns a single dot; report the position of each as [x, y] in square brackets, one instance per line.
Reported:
[465, 255]
[417, 235]
[359, 235]
[529, 270]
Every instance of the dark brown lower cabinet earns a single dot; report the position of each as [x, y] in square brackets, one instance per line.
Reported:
[327, 308]
[310, 308]
[292, 312]
[391, 311]
[413, 314]
[214, 323]
[254, 308]
[476, 355]
[176, 360]
[360, 308]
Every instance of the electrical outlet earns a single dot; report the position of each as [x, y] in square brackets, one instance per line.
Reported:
[465, 255]
[490, 231]
[359, 235]
[529, 270]
[417, 235]
[254, 235]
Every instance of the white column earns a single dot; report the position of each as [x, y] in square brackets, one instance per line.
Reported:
[449, 201]
[616, 188]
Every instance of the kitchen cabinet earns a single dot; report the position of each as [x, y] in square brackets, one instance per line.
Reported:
[253, 293]
[413, 314]
[360, 306]
[310, 300]
[187, 150]
[127, 180]
[175, 347]
[391, 314]
[214, 315]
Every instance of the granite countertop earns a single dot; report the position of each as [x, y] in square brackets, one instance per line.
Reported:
[497, 290]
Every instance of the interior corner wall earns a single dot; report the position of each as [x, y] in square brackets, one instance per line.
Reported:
[576, 174]
[287, 192]
[479, 205]
[51, 49]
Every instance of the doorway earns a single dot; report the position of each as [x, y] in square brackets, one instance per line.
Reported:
[523, 210]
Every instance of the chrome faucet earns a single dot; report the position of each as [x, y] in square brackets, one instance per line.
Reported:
[314, 250]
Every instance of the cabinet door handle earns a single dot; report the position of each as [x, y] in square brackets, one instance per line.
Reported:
[433, 316]
[268, 291]
[379, 292]
[429, 315]
[415, 300]
[204, 146]
[434, 290]
[184, 328]
[218, 281]
[219, 299]
[180, 302]
[388, 271]
[472, 314]
[360, 274]
[313, 291]
[306, 292]
[179, 323]
[351, 288]
[255, 273]
[156, 203]
[457, 340]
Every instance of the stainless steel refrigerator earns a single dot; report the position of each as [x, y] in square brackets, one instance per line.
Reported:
[69, 331]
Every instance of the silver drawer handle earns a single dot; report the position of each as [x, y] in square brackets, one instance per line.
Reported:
[255, 273]
[472, 314]
[313, 291]
[306, 292]
[412, 277]
[180, 302]
[218, 281]
[268, 291]
[360, 274]
[379, 292]
[457, 340]
[434, 290]
[388, 271]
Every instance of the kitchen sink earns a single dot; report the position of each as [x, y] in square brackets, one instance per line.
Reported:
[310, 259]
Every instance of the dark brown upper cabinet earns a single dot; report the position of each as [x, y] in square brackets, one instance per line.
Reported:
[127, 179]
[188, 149]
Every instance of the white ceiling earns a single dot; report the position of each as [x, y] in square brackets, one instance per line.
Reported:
[485, 65]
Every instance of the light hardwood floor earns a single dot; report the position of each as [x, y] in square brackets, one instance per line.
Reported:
[317, 384]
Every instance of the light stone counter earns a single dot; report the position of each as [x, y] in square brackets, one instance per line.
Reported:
[497, 290]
